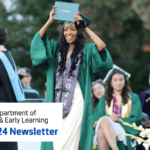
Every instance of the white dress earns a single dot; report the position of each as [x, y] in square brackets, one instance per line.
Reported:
[118, 130]
[71, 126]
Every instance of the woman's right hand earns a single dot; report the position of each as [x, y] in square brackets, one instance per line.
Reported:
[114, 117]
[52, 13]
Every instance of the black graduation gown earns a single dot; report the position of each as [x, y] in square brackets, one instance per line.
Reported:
[6, 95]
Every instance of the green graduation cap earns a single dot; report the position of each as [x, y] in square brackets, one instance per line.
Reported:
[88, 21]
[105, 80]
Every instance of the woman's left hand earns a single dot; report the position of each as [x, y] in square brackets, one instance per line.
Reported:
[77, 18]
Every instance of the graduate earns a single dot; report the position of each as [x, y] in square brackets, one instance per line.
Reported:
[117, 103]
[10, 86]
[145, 101]
[70, 66]
[98, 90]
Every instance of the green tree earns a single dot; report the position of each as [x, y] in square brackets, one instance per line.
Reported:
[121, 27]
[116, 22]
[21, 30]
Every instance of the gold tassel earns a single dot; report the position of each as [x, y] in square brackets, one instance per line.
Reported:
[95, 124]
[94, 147]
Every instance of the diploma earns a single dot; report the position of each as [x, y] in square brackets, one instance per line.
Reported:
[66, 11]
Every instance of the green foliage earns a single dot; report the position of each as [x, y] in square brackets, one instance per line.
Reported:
[121, 28]
[116, 22]
[21, 30]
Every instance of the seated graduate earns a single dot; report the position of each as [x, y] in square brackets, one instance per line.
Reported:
[145, 102]
[98, 91]
[118, 103]
[26, 80]
[10, 86]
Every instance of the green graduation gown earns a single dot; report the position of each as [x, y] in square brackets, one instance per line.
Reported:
[135, 116]
[44, 55]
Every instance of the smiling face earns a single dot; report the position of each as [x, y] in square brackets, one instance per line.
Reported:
[98, 90]
[70, 33]
[117, 82]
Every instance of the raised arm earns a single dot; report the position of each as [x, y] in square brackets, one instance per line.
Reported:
[99, 43]
[42, 50]
[52, 15]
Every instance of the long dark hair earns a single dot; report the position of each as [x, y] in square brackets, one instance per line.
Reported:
[94, 99]
[63, 48]
[109, 90]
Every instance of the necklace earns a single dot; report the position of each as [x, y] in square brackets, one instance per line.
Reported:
[116, 108]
